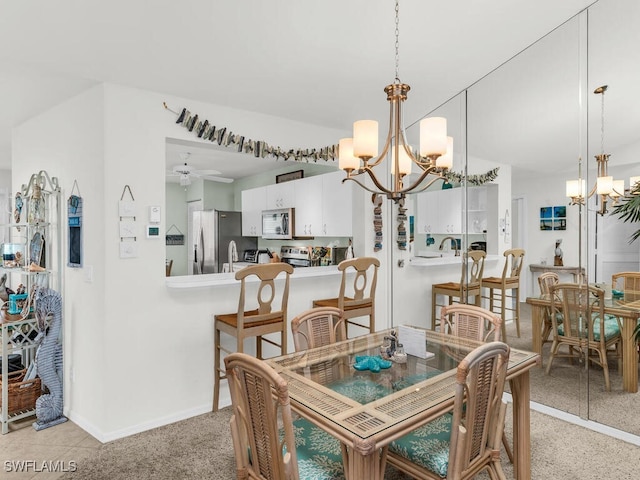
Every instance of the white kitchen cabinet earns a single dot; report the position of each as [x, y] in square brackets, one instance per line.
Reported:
[280, 195]
[440, 211]
[323, 206]
[308, 205]
[253, 202]
[337, 202]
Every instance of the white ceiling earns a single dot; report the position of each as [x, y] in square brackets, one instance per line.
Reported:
[324, 63]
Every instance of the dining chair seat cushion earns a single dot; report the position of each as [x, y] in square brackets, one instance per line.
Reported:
[611, 328]
[319, 454]
[427, 446]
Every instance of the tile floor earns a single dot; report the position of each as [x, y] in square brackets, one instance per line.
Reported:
[29, 454]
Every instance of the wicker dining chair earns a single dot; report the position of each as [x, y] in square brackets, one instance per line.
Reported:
[470, 321]
[254, 319]
[470, 284]
[627, 282]
[475, 323]
[585, 329]
[357, 298]
[461, 445]
[263, 432]
[318, 327]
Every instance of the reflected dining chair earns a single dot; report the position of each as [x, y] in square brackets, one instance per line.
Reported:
[357, 298]
[264, 434]
[475, 323]
[470, 284]
[506, 288]
[627, 282]
[585, 328]
[257, 319]
[461, 445]
[546, 280]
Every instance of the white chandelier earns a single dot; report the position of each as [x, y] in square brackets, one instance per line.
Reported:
[606, 187]
[359, 155]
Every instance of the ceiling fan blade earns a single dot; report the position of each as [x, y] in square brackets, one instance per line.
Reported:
[217, 179]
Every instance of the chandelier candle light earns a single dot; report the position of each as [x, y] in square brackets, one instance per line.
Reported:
[359, 154]
[606, 187]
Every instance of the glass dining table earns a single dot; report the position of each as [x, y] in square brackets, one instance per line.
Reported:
[625, 306]
[367, 409]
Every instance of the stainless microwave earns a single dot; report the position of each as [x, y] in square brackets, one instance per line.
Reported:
[278, 224]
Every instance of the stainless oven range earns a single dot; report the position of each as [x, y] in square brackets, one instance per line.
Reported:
[295, 256]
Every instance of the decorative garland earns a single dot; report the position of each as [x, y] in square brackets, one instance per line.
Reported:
[259, 148]
[454, 177]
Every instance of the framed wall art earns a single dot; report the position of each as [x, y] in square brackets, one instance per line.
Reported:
[553, 218]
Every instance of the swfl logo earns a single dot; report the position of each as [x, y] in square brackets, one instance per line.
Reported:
[59, 466]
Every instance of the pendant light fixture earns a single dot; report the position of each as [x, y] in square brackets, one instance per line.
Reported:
[608, 189]
[359, 155]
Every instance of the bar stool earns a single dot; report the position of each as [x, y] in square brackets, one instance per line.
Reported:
[506, 287]
[362, 301]
[246, 323]
[470, 284]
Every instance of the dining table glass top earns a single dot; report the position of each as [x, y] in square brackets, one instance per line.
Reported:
[325, 383]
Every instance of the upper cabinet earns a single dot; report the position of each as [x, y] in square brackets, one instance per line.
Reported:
[323, 205]
[280, 195]
[337, 203]
[253, 202]
[442, 212]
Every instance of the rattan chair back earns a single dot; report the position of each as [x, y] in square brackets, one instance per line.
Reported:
[318, 327]
[627, 282]
[260, 401]
[471, 321]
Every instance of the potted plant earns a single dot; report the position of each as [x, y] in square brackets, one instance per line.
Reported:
[629, 211]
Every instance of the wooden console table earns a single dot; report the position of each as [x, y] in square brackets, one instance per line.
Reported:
[538, 268]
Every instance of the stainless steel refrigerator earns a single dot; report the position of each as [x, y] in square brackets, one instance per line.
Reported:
[213, 230]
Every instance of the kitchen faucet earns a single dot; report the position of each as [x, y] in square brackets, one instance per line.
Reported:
[455, 243]
[232, 253]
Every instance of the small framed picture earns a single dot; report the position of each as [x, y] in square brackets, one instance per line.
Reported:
[286, 177]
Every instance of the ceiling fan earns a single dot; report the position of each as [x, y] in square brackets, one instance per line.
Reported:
[184, 172]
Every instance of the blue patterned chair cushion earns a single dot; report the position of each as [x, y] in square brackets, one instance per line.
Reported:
[428, 446]
[611, 327]
[319, 454]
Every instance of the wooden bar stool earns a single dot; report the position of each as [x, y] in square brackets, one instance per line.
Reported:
[256, 322]
[470, 284]
[506, 287]
[357, 299]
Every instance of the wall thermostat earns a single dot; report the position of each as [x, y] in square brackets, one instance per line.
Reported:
[153, 231]
[154, 214]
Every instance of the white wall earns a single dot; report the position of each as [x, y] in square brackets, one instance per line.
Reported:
[141, 354]
[68, 143]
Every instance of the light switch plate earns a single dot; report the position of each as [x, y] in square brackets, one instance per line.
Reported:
[154, 214]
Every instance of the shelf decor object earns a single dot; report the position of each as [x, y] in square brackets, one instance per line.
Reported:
[48, 304]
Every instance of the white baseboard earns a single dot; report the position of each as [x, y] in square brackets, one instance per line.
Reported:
[105, 437]
[581, 422]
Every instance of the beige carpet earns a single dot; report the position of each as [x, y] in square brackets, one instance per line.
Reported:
[565, 387]
[200, 448]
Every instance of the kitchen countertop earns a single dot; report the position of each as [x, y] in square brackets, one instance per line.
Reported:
[446, 259]
[217, 279]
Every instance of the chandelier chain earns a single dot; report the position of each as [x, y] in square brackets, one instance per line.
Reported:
[602, 124]
[397, 33]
